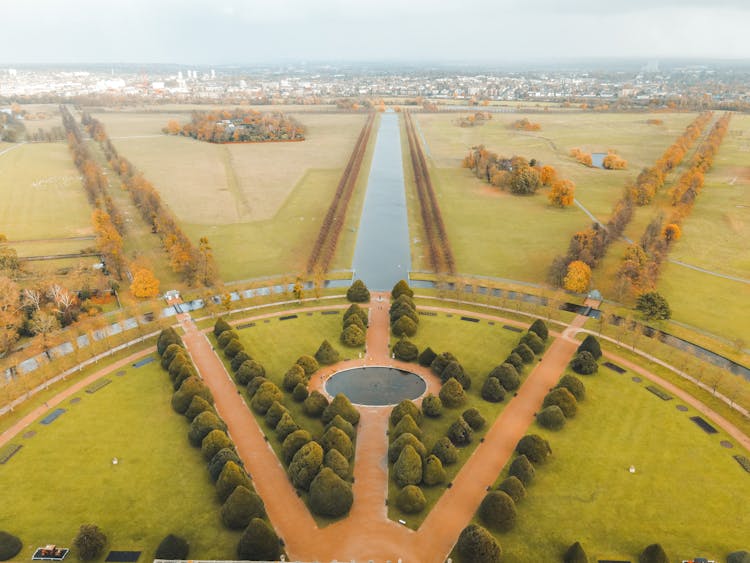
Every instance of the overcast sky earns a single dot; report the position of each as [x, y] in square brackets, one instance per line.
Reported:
[252, 31]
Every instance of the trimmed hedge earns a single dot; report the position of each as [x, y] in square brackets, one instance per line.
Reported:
[410, 499]
[258, 542]
[591, 345]
[231, 477]
[406, 424]
[330, 495]
[10, 546]
[292, 443]
[525, 353]
[493, 391]
[562, 398]
[402, 409]
[540, 329]
[408, 467]
[274, 414]
[339, 422]
[285, 426]
[476, 545]
[308, 364]
[452, 394]
[326, 354]
[233, 348]
[249, 370]
[337, 462]
[654, 553]
[355, 310]
[426, 358]
[293, 377]
[404, 326]
[358, 292]
[574, 385]
[172, 547]
[300, 393]
[474, 418]
[534, 447]
[242, 506]
[532, 340]
[460, 433]
[343, 407]
[522, 469]
[89, 542]
[353, 336]
[507, 375]
[191, 387]
[239, 359]
[584, 363]
[394, 450]
[515, 360]
[551, 417]
[218, 462]
[197, 405]
[513, 487]
[202, 425]
[445, 451]
[432, 406]
[575, 554]
[433, 472]
[306, 464]
[405, 350]
[214, 442]
[498, 511]
[226, 337]
[336, 439]
[401, 288]
[221, 325]
[254, 384]
[265, 396]
[315, 404]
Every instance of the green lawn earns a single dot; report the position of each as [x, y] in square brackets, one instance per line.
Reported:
[683, 495]
[64, 477]
[494, 233]
[479, 348]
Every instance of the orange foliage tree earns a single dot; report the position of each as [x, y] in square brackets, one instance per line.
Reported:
[671, 232]
[547, 175]
[614, 162]
[145, 284]
[562, 193]
[525, 125]
[582, 157]
[578, 277]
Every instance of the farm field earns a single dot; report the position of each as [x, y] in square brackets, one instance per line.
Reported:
[585, 493]
[494, 233]
[261, 205]
[39, 186]
[64, 477]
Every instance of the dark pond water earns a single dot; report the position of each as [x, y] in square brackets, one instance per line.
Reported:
[376, 386]
[382, 254]
[597, 159]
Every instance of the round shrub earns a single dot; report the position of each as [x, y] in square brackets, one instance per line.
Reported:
[404, 326]
[169, 353]
[399, 310]
[358, 292]
[308, 364]
[574, 385]
[305, 465]
[231, 477]
[492, 391]
[220, 326]
[540, 329]
[507, 375]
[498, 511]
[293, 377]
[394, 450]
[239, 359]
[315, 404]
[190, 388]
[402, 409]
[513, 487]
[433, 472]
[403, 300]
[242, 506]
[355, 310]
[285, 426]
[249, 370]
[218, 462]
[254, 384]
[10, 546]
[408, 467]
[326, 354]
[172, 547]
[526, 354]
[185, 372]
[432, 406]
[202, 424]
[405, 350]
[166, 337]
[534, 447]
[343, 407]
[406, 424]
[336, 439]
[339, 422]
[258, 542]
[738, 557]
[293, 443]
[654, 553]
[178, 362]
[476, 545]
[584, 363]
[460, 433]
[426, 358]
[274, 414]
[233, 348]
[197, 406]
[474, 418]
[330, 495]
[337, 462]
[452, 394]
[226, 337]
[355, 320]
[445, 451]
[522, 469]
[532, 340]
[401, 288]
[515, 360]
[410, 499]
[352, 336]
[440, 362]
[575, 554]
[456, 371]
[591, 345]
[562, 398]
[299, 393]
[215, 441]
[551, 417]
[89, 542]
[265, 396]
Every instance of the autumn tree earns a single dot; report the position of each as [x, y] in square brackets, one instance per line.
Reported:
[578, 277]
[671, 233]
[562, 193]
[145, 284]
[10, 313]
[547, 175]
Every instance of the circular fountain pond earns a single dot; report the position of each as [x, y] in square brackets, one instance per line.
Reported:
[376, 386]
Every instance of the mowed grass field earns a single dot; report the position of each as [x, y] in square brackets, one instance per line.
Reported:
[64, 477]
[260, 204]
[683, 494]
[494, 233]
[42, 199]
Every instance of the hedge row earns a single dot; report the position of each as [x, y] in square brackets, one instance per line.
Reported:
[354, 331]
[403, 311]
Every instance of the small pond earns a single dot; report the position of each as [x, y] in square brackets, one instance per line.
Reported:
[376, 385]
[597, 159]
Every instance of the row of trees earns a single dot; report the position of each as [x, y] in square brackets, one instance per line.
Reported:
[238, 126]
[475, 119]
[242, 507]
[194, 265]
[403, 311]
[319, 466]
[525, 124]
[641, 264]
[590, 245]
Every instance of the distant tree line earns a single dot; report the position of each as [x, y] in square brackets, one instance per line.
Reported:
[238, 126]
